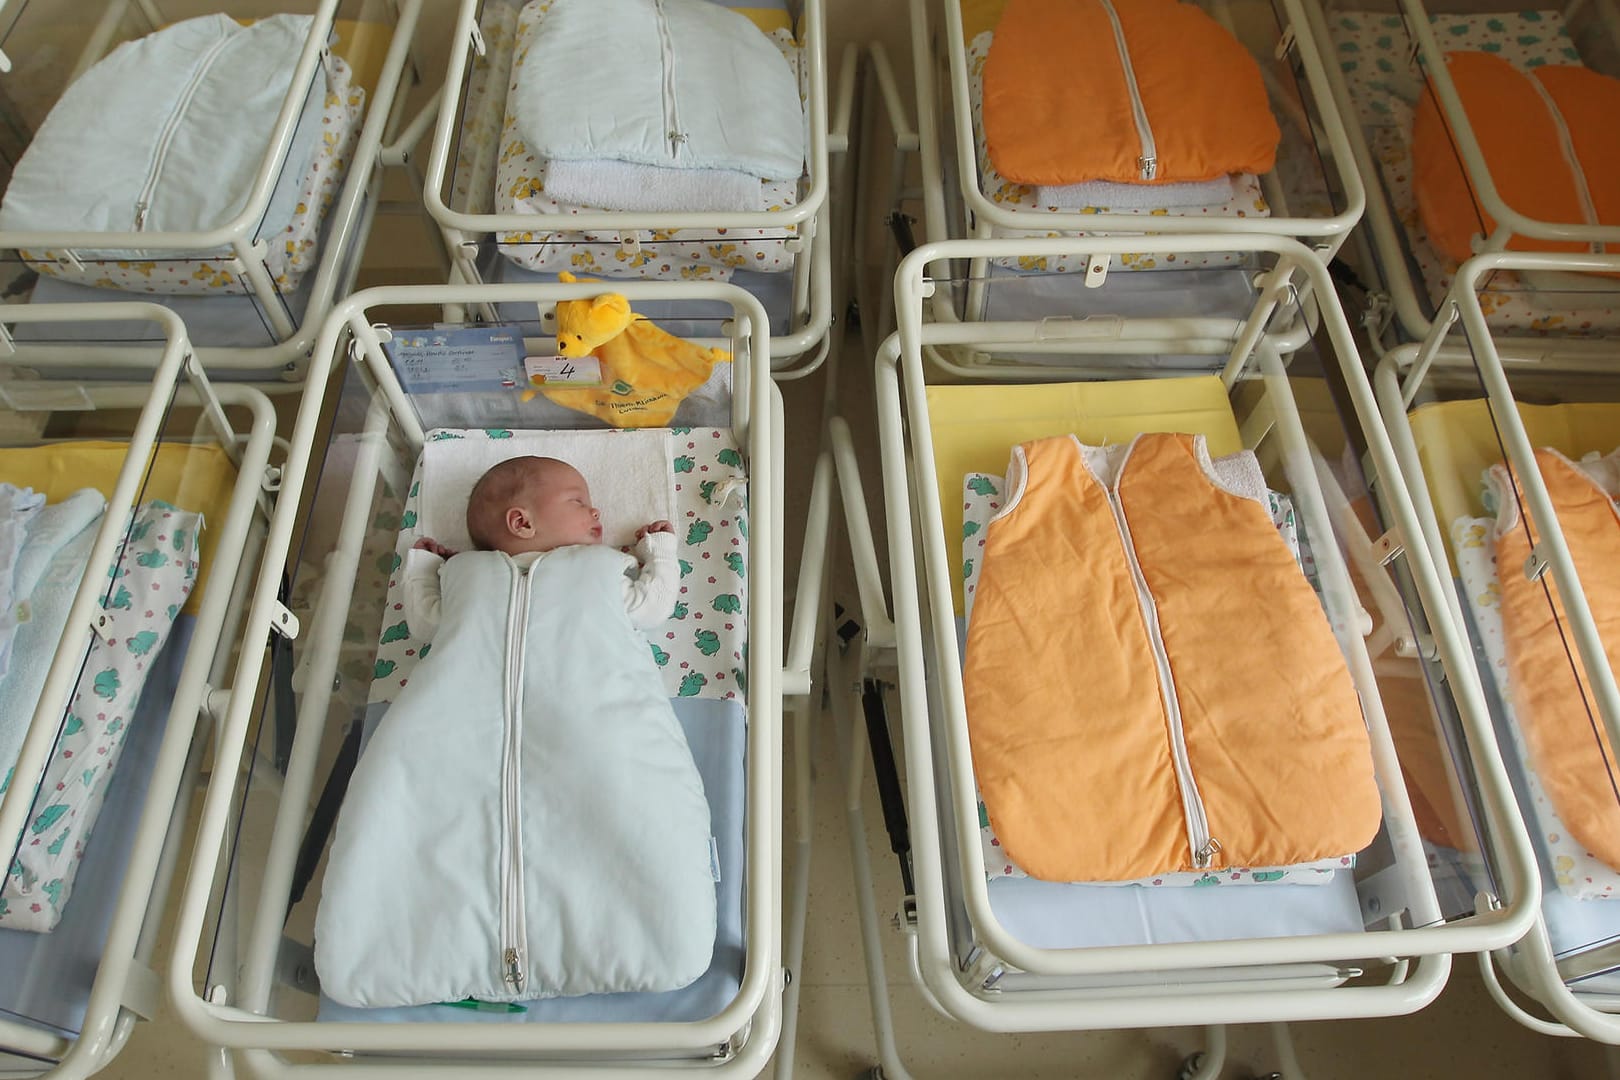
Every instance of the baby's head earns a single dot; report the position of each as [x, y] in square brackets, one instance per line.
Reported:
[532, 504]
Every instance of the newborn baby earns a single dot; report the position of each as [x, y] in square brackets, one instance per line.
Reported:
[526, 506]
[528, 820]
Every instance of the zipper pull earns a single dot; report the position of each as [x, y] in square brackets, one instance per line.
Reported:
[1149, 167]
[1206, 854]
[140, 215]
[514, 970]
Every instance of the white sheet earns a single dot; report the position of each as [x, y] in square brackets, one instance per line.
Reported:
[628, 473]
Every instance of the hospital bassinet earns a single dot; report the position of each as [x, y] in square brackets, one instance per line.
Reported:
[133, 520]
[486, 189]
[1381, 57]
[1004, 952]
[136, 179]
[1457, 404]
[1313, 192]
[243, 973]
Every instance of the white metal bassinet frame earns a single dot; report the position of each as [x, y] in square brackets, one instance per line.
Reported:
[1399, 378]
[351, 213]
[983, 215]
[233, 1018]
[813, 310]
[126, 987]
[1010, 986]
[1385, 233]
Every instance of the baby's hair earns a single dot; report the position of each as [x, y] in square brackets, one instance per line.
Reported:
[495, 493]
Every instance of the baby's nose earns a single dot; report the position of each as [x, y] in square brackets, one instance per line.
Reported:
[596, 515]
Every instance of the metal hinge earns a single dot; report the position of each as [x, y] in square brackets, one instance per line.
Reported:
[283, 621]
[1388, 547]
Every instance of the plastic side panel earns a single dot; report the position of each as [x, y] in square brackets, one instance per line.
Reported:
[196, 478]
[1457, 442]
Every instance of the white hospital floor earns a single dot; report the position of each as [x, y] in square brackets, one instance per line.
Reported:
[1461, 1035]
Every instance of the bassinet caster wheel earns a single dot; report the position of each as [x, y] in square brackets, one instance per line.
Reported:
[1190, 1066]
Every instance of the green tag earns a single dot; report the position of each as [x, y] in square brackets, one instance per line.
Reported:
[621, 387]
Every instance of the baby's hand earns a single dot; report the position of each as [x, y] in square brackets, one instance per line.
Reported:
[427, 543]
[655, 527]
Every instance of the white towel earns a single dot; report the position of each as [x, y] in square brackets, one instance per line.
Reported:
[626, 185]
[17, 507]
[50, 567]
[628, 473]
[1108, 195]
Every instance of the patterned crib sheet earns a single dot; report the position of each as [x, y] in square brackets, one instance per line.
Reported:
[702, 648]
[1247, 201]
[1381, 71]
[519, 184]
[148, 586]
[981, 498]
[1578, 872]
[292, 252]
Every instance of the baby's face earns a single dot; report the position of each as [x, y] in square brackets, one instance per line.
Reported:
[561, 510]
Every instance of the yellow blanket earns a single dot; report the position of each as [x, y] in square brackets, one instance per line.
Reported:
[196, 478]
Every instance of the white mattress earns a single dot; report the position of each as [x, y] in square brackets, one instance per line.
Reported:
[1373, 52]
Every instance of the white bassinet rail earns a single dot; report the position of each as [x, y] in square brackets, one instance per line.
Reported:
[120, 986]
[256, 325]
[239, 1006]
[1414, 276]
[1565, 946]
[990, 978]
[812, 302]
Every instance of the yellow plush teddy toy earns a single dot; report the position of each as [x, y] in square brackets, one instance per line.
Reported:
[646, 372]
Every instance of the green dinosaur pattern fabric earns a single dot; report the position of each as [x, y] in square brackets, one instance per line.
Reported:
[146, 588]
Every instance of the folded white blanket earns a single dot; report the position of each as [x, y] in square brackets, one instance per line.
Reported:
[680, 83]
[625, 185]
[628, 473]
[49, 568]
[17, 507]
[1106, 195]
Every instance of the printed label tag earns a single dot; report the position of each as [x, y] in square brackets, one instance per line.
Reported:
[563, 370]
[473, 359]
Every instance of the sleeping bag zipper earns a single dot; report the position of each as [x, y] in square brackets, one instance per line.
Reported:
[666, 49]
[171, 127]
[1199, 841]
[514, 923]
[1147, 163]
[1567, 145]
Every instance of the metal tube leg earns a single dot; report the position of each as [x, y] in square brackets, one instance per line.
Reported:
[843, 692]
[800, 897]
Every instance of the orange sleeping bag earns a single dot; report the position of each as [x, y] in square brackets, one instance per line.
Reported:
[1078, 90]
[1151, 684]
[1572, 757]
[1549, 137]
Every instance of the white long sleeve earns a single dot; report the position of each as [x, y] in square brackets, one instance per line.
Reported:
[422, 592]
[649, 598]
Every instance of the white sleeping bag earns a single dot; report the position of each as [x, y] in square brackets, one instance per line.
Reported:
[167, 133]
[679, 84]
[527, 821]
